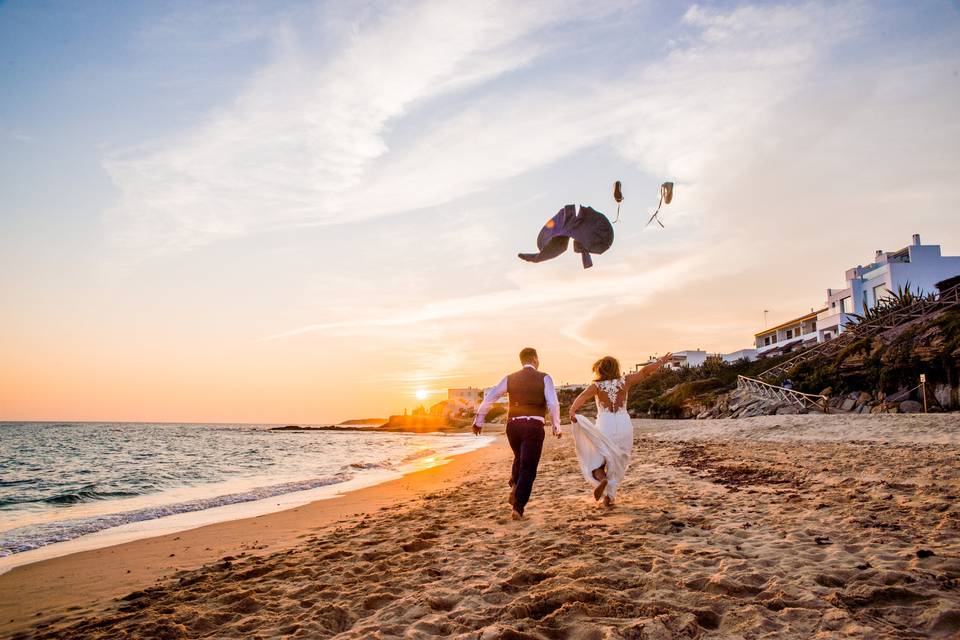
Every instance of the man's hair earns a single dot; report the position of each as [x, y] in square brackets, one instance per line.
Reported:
[528, 355]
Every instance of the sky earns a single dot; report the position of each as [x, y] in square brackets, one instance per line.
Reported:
[303, 212]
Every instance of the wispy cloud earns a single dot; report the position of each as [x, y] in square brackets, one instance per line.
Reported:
[529, 291]
[296, 146]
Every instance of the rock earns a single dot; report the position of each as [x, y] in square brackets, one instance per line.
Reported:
[910, 406]
[864, 398]
[941, 393]
[848, 404]
[892, 408]
[788, 410]
[899, 396]
[877, 409]
[827, 392]
[865, 408]
[853, 395]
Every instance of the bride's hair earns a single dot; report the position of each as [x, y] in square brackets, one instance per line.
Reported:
[606, 368]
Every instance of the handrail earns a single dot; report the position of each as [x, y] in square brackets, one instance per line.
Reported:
[775, 392]
[949, 297]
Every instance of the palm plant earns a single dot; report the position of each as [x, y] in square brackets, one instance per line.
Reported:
[903, 298]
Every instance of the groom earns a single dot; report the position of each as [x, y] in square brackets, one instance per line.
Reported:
[531, 395]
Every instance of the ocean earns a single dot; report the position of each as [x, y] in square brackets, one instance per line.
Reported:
[62, 482]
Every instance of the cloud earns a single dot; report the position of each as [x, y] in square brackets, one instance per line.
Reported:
[527, 291]
[297, 145]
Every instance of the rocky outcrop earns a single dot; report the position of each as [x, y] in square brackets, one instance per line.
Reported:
[742, 404]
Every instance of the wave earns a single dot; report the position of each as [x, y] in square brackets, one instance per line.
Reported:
[69, 497]
[87, 495]
[39, 535]
[369, 465]
[420, 453]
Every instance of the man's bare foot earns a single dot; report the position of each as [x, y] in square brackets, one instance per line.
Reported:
[516, 515]
[600, 489]
[607, 502]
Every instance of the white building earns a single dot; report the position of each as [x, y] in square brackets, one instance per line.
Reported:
[689, 358]
[919, 266]
[789, 335]
[743, 354]
[463, 399]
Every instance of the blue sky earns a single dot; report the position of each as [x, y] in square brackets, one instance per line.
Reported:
[208, 195]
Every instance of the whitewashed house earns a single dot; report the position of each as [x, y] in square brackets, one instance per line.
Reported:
[689, 358]
[789, 335]
[743, 354]
[467, 399]
[919, 266]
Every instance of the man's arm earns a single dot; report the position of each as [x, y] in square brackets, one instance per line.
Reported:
[553, 405]
[492, 396]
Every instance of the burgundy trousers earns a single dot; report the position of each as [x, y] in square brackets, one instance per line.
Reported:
[526, 439]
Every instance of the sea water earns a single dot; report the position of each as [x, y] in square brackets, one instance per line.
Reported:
[64, 482]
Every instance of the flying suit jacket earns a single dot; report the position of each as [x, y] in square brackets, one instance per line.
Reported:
[591, 232]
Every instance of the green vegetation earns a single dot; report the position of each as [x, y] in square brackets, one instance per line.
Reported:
[890, 362]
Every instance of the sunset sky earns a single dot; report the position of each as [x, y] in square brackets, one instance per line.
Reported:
[304, 212]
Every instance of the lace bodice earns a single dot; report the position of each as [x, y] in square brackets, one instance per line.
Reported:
[611, 395]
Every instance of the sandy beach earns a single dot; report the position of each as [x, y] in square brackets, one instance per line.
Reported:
[775, 527]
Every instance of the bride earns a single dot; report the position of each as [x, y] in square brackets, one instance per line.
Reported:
[603, 449]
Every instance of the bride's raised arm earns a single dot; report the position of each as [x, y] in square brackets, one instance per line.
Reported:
[647, 371]
[585, 395]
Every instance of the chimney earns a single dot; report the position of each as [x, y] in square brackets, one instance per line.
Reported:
[916, 239]
[879, 254]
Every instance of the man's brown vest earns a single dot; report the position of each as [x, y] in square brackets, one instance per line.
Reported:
[526, 393]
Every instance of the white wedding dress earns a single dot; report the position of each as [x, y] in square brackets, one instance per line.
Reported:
[610, 440]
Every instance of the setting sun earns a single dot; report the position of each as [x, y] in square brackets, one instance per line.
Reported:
[421, 394]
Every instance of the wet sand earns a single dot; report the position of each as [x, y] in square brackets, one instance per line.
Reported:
[776, 527]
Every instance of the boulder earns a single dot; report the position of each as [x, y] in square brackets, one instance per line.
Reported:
[899, 396]
[788, 410]
[941, 393]
[827, 392]
[863, 398]
[910, 406]
[865, 408]
[848, 404]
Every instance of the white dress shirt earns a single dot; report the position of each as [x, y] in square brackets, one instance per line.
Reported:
[549, 394]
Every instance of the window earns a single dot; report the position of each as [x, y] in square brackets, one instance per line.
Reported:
[789, 333]
[879, 291]
[766, 341]
[845, 306]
